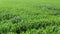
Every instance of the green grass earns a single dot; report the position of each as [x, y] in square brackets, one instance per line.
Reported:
[29, 16]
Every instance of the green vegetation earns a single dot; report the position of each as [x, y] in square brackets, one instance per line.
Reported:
[29, 16]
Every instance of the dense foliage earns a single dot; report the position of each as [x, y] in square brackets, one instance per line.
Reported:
[35, 18]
